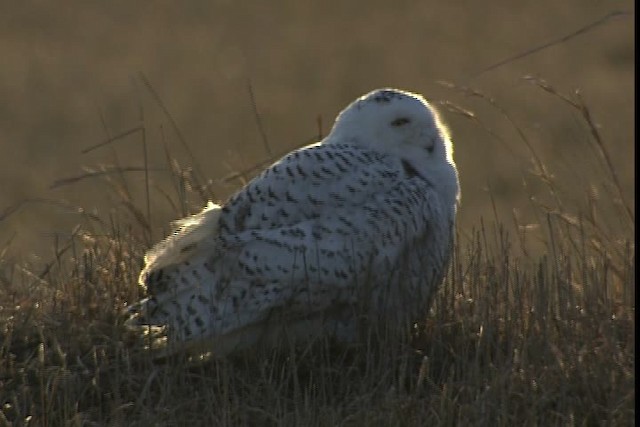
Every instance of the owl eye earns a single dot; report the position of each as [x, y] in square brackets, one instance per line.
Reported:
[400, 121]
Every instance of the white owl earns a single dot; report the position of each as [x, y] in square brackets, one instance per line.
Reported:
[354, 230]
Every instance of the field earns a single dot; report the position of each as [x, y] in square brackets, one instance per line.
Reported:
[534, 324]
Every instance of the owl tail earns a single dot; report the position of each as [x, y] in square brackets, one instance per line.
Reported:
[169, 327]
[171, 284]
[168, 322]
[191, 235]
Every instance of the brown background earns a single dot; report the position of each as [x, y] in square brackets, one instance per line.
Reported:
[70, 76]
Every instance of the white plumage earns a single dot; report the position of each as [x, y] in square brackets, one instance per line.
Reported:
[354, 230]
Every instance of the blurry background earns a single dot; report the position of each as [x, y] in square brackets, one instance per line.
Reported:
[70, 77]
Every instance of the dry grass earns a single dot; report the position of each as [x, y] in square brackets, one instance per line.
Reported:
[516, 336]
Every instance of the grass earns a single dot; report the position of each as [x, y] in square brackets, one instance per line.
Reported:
[516, 336]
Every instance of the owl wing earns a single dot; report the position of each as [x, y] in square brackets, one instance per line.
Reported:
[323, 220]
[309, 183]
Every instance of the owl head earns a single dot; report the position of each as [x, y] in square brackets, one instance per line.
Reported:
[401, 124]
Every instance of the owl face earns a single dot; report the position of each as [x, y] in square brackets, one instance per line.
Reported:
[404, 125]
[394, 122]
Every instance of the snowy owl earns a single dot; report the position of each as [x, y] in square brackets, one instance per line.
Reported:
[353, 230]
